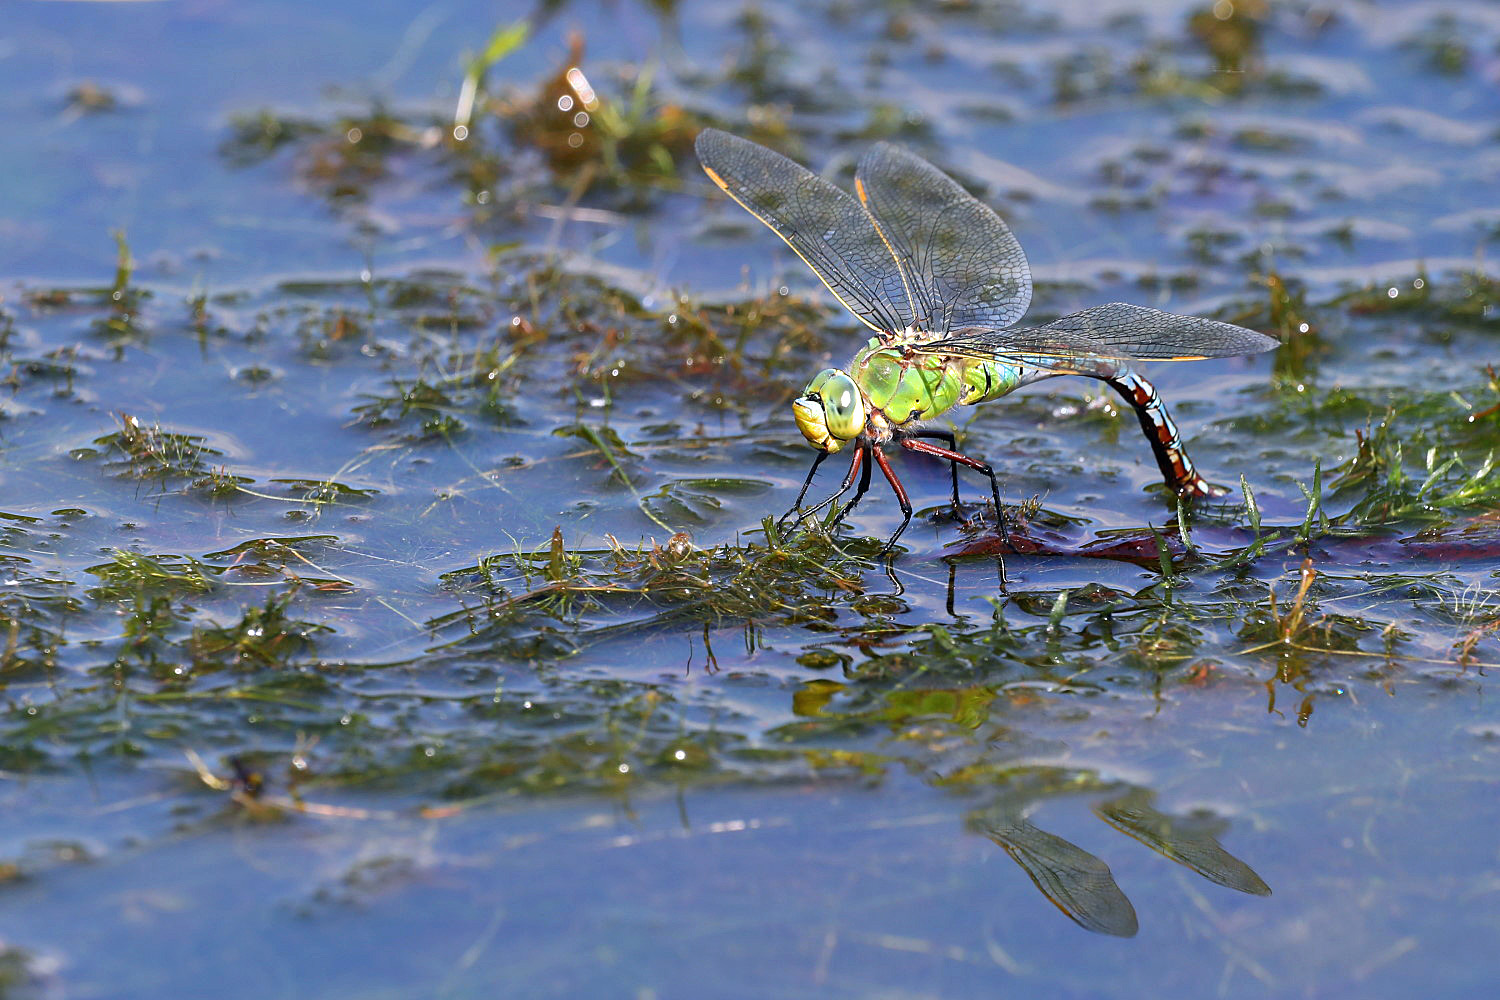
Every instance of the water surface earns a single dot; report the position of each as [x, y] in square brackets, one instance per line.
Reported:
[389, 606]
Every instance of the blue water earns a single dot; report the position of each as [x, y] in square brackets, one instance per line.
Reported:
[494, 806]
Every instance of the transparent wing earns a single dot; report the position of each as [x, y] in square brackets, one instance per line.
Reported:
[1118, 331]
[1153, 335]
[964, 266]
[827, 227]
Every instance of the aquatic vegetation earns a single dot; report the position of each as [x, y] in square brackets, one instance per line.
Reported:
[1438, 484]
[132, 573]
[626, 137]
[876, 670]
[257, 136]
[142, 451]
[265, 636]
[587, 138]
[1441, 44]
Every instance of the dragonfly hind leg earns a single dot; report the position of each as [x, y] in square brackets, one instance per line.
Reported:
[957, 458]
[952, 442]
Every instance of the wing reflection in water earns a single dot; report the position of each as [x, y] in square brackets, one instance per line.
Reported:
[1080, 884]
[1190, 840]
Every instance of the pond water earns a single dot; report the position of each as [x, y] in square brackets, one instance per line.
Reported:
[391, 609]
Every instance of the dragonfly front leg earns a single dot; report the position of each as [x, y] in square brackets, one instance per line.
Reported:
[864, 486]
[806, 484]
[901, 498]
[854, 466]
[958, 458]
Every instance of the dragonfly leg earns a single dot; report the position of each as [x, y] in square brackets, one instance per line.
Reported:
[958, 458]
[806, 483]
[952, 442]
[864, 483]
[901, 498]
[854, 466]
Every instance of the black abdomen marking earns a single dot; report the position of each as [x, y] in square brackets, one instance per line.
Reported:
[1161, 432]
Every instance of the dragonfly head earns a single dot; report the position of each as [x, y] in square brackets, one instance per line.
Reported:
[830, 411]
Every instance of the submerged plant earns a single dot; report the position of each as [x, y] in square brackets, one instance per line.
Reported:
[265, 636]
[147, 451]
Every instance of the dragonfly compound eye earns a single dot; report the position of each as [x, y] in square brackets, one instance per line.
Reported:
[843, 407]
[830, 410]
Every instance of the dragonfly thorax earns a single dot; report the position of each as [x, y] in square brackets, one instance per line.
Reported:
[830, 411]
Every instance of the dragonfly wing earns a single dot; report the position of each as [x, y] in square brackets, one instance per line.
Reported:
[964, 266]
[1129, 331]
[1086, 342]
[1060, 351]
[827, 227]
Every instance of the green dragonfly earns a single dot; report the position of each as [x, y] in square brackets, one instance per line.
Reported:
[942, 281]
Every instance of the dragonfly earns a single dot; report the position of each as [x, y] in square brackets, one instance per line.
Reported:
[943, 282]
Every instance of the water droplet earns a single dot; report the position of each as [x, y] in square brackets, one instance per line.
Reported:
[581, 86]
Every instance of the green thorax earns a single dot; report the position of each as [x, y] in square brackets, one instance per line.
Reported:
[902, 389]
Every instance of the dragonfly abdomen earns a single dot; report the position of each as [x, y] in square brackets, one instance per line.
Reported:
[987, 380]
[1161, 431]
